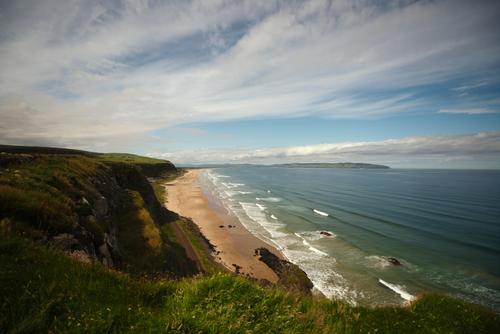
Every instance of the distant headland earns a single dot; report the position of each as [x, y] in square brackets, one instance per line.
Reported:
[332, 165]
[354, 165]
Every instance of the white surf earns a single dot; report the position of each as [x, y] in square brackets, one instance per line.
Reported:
[321, 213]
[397, 289]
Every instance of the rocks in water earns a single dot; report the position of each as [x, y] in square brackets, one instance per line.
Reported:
[289, 275]
[394, 261]
[325, 233]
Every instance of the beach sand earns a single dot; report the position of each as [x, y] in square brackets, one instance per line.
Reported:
[236, 245]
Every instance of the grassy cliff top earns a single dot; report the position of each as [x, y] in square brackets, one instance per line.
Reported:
[105, 157]
[129, 158]
[43, 291]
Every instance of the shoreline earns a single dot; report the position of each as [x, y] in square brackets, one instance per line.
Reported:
[235, 246]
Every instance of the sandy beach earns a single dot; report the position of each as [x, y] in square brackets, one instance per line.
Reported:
[235, 245]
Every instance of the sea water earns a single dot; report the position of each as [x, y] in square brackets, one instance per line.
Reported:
[443, 226]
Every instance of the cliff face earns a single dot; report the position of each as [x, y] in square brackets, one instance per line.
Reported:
[92, 209]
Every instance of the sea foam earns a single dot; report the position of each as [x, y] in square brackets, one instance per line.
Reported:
[398, 289]
[321, 213]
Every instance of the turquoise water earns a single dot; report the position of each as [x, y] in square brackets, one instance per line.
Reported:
[442, 225]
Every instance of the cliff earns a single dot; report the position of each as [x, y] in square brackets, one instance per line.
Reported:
[95, 207]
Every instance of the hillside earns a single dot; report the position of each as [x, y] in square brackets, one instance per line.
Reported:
[95, 207]
[87, 246]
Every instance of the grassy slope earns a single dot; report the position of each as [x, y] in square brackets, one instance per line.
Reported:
[202, 253]
[41, 290]
[40, 195]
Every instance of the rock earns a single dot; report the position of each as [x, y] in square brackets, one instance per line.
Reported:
[328, 234]
[81, 256]
[107, 259]
[237, 268]
[101, 206]
[394, 261]
[221, 226]
[289, 275]
[65, 241]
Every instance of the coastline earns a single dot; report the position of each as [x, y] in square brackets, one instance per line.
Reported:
[234, 245]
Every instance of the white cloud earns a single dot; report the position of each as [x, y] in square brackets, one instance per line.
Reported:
[88, 73]
[428, 147]
[468, 111]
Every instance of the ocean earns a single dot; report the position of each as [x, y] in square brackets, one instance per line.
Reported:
[391, 234]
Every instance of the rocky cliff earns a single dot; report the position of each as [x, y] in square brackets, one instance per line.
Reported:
[96, 210]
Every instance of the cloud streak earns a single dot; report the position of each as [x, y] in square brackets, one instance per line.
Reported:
[427, 147]
[90, 75]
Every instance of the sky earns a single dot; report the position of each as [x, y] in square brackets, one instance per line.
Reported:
[411, 84]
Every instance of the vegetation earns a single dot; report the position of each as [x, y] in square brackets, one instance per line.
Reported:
[145, 247]
[98, 205]
[42, 191]
[43, 291]
[128, 158]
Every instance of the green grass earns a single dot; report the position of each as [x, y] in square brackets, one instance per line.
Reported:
[41, 193]
[145, 247]
[128, 158]
[41, 290]
[207, 263]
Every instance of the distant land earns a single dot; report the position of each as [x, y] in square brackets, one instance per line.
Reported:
[332, 165]
[357, 165]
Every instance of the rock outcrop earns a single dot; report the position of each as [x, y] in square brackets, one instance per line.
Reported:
[290, 275]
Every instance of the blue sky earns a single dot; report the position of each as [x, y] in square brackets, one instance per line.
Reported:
[406, 83]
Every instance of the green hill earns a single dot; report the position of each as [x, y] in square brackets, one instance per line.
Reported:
[86, 246]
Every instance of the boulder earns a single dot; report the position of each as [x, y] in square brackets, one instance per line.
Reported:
[65, 241]
[394, 261]
[290, 276]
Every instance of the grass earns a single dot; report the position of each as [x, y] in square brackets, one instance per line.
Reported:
[42, 192]
[128, 158]
[41, 290]
[200, 248]
[145, 247]
[202, 253]
[43, 195]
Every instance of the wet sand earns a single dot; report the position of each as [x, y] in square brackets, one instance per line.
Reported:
[235, 245]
